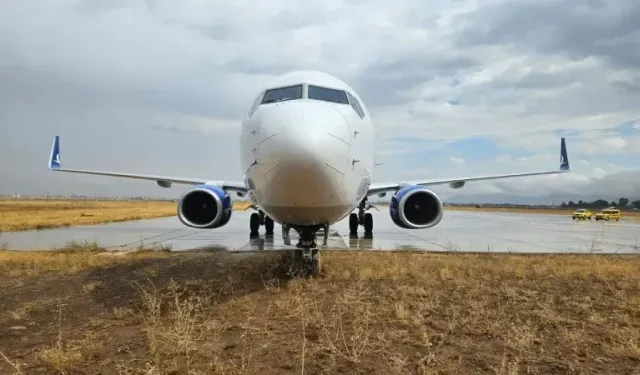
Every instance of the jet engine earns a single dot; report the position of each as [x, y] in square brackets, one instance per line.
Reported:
[416, 207]
[205, 207]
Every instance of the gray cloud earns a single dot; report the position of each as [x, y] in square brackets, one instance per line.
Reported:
[577, 29]
[33, 88]
[631, 86]
[160, 86]
[383, 82]
[622, 184]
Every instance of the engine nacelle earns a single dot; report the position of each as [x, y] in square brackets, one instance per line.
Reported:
[416, 207]
[205, 207]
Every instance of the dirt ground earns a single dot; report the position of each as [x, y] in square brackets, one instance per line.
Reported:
[70, 312]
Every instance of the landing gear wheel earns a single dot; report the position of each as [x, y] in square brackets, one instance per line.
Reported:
[268, 226]
[353, 223]
[254, 223]
[286, 237]
[315, 266]
[306, 263]
[368, 223]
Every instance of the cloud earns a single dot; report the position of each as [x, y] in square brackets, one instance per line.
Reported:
[572, 29]
[604, 185]
[457, 160]
[160, 86]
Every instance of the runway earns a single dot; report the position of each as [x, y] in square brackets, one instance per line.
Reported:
[458, 231]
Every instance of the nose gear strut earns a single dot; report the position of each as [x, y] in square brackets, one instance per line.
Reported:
[306, 258]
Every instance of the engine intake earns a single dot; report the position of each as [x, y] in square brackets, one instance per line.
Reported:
[416, 207]
[205, 207]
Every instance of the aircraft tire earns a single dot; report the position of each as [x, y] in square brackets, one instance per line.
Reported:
[254, 222]
[368, 223]
[268, 226]
[353, 223]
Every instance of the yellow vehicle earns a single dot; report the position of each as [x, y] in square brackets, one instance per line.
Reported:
[581, 214]
[608, 214]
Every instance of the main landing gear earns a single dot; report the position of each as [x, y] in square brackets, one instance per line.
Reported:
[259, 218]
[306, 259]
[362, 218]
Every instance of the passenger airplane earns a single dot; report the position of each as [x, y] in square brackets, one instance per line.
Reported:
[307, 154]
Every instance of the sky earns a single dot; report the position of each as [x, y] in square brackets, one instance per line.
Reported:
[455, 88]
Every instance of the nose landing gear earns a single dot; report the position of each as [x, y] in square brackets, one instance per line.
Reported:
[306, 263]
[306, 258]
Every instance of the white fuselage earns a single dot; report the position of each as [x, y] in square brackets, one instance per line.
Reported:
[306, 160]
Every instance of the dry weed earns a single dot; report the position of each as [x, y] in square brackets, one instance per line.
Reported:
[72, 258]
[375, 313]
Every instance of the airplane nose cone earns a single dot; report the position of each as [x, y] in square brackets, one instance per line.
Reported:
[313, 132]
[305, 150]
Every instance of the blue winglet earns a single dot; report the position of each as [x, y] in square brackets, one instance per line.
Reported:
[54, 159]
[564, 159]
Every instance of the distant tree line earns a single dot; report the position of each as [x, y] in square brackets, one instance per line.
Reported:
[601, 203]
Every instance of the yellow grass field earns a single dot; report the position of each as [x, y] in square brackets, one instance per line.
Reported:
[19, 215]
[79, 311]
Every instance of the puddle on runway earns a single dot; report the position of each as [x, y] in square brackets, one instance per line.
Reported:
[458, 231]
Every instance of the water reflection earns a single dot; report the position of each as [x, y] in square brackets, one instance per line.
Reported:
[355, 242]
[360, 243]
[257, 242]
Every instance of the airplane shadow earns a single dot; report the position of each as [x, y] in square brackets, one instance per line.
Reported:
[227, 275]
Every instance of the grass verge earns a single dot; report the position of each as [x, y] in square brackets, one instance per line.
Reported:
[28, 214]
[151, 312]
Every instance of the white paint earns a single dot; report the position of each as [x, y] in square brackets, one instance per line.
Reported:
[306, 153]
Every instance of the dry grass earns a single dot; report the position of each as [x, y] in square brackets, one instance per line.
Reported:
[369, 312]
[70, 259]
[19, 215]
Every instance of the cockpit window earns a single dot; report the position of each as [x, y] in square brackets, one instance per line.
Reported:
[355, 104]
[282, 94]
[254, 106]
[327, 95]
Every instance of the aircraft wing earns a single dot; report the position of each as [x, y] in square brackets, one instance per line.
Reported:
[457, 183]
[163, 181]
